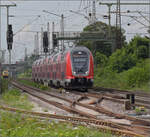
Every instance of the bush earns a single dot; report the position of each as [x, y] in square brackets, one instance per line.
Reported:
[126, 68]
[142, 52]
[138, 76]
[120, 60]
[101, 59]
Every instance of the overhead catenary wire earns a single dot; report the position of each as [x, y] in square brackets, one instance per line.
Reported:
[26, 25]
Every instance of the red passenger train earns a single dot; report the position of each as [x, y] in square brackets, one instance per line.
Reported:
[73, 69]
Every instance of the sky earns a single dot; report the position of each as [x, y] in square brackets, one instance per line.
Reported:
[26, 15]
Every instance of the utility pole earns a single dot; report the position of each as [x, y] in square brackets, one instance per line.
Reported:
[37, 34]
[62, 32]
[109, 18]
[93, 12]
[118, 19]
[9, 50]
[25, 53]
[36, 48]
[118, 26]
[53, 30]
[48, 34]
[41, 41]
[53, 27]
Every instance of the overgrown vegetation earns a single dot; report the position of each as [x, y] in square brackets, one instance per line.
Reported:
[15, 124]
[126, 68]
[4, 84]
[33, 84]
[14, 98]
[20, 125]
[26, 74]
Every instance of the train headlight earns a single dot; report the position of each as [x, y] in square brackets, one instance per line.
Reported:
[86, 72]
[74, 72]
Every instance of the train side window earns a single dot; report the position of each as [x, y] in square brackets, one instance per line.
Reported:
[55, 58]
[63, 57]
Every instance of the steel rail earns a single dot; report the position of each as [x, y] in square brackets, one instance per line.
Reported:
[97, 108]
[100, 110]
[56, 104]
[137, 93]
[70, 109]
[109, 113]
[75, 119]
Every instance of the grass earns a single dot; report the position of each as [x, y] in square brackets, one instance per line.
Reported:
[14, 98]
[4, 84]
[136, 78]
[119, 81]
[15, 124]
[19, 125]
[33, 84]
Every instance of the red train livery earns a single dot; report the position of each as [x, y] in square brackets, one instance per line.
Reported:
[73, 69]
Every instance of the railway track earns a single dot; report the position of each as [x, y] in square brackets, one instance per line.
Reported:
[71, 109]
[118, 96]
[76, 120]
[112, 94]
[116, 115]
[112, 90]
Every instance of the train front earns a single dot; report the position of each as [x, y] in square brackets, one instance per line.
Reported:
[82, 68]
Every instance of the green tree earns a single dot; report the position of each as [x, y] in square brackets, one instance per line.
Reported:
[103, 45]
[101, 59]
[142, 52]
[139, 46]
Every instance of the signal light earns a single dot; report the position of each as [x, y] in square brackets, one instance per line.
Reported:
[9, 37]
[9, 46]
[55, 42]
[45, 39]
[45, 50]
[45, 42]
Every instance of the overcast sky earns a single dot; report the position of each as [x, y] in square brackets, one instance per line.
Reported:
[27, 11]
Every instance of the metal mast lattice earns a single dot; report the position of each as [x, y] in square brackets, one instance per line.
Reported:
[118, 26]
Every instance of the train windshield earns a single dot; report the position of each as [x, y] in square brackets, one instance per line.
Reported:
[80, 62]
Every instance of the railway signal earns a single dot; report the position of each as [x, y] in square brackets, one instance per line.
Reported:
[9, 37]
[55, 41]
[45, 42]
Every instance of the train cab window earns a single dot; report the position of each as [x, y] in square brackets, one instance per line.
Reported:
[80, 61]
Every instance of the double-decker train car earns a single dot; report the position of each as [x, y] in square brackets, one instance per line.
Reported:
[74, 68]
